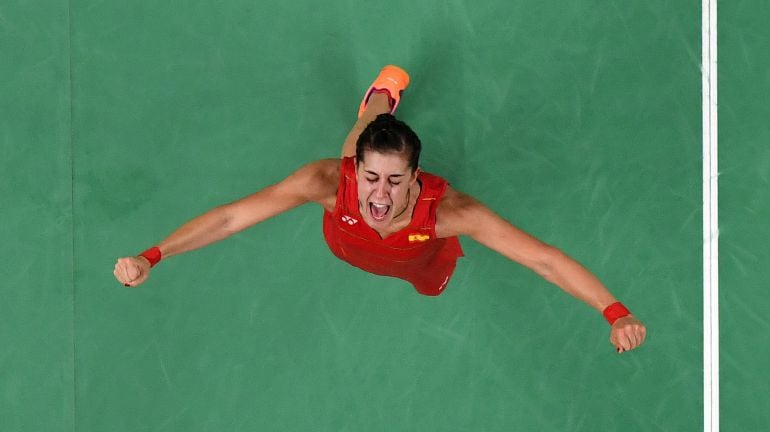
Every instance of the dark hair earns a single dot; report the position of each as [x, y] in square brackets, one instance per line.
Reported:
[386, 134]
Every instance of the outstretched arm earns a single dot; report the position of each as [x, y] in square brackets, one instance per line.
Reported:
[460, 214]
[313, 182]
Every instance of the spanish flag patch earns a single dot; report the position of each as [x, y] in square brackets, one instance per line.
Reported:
[418, 238]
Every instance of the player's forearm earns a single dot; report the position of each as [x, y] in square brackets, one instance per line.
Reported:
[205, 229]
[576, 280]
[224, 221]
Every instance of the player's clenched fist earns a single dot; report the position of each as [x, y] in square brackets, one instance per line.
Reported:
[627, 333]
[132, 271]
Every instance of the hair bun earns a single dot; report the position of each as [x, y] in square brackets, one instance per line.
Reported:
[387, 134]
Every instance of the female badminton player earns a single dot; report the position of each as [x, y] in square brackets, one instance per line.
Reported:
[386, 216]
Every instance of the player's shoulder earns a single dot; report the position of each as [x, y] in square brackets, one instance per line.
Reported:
[318, 170]
[319, 179]
[453, 212]
[455, 201]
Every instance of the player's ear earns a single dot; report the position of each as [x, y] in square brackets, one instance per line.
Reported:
[416, 173]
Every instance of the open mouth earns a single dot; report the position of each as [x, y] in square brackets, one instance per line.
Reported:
[378, 211]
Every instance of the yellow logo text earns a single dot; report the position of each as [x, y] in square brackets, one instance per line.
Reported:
[418, 238]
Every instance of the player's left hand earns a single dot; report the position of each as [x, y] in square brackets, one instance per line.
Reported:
[627, 333]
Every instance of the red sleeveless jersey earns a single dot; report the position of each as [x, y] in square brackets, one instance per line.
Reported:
[413, 254]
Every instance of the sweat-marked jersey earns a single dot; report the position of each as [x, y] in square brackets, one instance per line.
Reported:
[413, 254]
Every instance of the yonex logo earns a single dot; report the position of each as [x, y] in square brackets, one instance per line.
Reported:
[349, 220]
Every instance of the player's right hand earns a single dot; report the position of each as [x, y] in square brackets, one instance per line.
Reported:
[132, 271]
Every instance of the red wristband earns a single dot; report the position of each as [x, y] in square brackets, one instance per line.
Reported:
[615, 311]
[153, 255]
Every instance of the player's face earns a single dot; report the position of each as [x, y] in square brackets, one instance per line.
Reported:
[384, 180]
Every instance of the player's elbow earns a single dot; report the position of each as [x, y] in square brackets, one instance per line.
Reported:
[227, 220]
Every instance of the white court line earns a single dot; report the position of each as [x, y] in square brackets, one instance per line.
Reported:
[710, 219]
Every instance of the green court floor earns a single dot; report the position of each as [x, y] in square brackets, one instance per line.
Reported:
[580, 122]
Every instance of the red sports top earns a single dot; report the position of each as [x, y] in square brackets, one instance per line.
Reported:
[414, 254]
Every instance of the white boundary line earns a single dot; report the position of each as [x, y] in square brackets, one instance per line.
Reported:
[710, 220]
